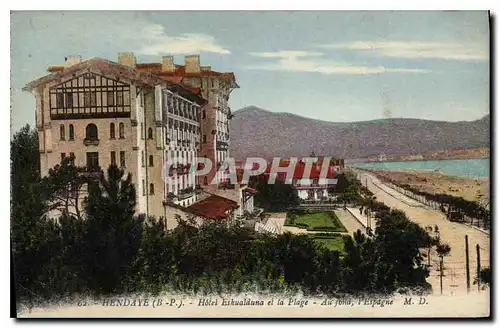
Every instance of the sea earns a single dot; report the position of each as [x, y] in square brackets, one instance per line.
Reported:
[471, 168]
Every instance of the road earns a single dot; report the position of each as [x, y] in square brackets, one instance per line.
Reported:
[451, 233]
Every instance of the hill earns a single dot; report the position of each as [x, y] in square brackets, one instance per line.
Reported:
[259, 132]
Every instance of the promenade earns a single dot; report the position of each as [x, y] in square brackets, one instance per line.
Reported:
[452, 233]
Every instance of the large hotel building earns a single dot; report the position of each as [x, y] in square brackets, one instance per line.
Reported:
[139, 117]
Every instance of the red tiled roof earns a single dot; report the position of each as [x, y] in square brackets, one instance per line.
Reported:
[212, 207]
[180, 70]
[299, 171]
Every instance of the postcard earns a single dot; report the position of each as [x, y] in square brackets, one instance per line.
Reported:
[259, 164]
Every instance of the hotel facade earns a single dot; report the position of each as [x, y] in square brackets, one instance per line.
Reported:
[139, 117]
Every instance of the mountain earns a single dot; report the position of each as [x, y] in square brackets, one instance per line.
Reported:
[259, 132]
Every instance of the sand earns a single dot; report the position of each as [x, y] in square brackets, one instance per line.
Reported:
[473, 189]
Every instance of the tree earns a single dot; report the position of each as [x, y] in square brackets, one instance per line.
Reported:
[154, 266]
[26, 196]
[348, 188]
[399, 242]
[275, 197]
[34, 238]
[485, 276]
[443, 250]
[113, 233]
[63, 187]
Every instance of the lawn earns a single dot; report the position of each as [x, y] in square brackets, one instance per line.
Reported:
[320, 221]
[332, 243]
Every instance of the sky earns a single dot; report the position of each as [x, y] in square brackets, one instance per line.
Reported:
[338, 66]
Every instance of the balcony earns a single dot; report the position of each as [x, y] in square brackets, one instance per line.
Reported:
[171, 196]
[222, 145]
[186, 193]
[91, 142]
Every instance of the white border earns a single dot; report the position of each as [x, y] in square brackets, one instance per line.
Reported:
[191, 5]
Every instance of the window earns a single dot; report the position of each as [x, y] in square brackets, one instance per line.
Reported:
[121, 129]
[69, 100]
[203, 115]
[63, 156]
[119, 98]
[62, 132]
[113, 158]
[60, 100]
[91, 132]
[72, 158]
[150, 133]
[93, 161]
[151, 189]
[111, 98]
[151, 160]
[122, 159]
[111, 130]
[204, 138]
[142, 158]
[142, 130]
[93, 99]
[205, 180]
[71, 132]
[143, 188]
[141, 99]
[86, 99]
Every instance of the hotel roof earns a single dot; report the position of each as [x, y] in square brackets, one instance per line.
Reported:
[212, 207]
[300, 173]
[180, 72]
[119, 70]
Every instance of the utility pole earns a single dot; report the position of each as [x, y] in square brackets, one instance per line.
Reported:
[467, 268]
[429, 257]
[441, 273]
[478, 254]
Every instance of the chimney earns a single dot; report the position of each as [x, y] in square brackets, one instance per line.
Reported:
[167, 64]
[127, 59]
[192, 63]
[72, 60]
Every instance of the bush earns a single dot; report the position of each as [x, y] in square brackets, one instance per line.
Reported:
[328, 234]
[335, 229]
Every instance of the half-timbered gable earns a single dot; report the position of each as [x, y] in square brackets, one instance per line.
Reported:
[90, 95]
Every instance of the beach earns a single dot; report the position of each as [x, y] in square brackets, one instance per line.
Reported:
[473, 189]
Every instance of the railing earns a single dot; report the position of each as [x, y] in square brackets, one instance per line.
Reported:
[313, 186]
[91, 142]
[184, 195]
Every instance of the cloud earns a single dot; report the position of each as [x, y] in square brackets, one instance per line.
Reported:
[417, 50]
[156, 42]
[286, 54]
[301, 61]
